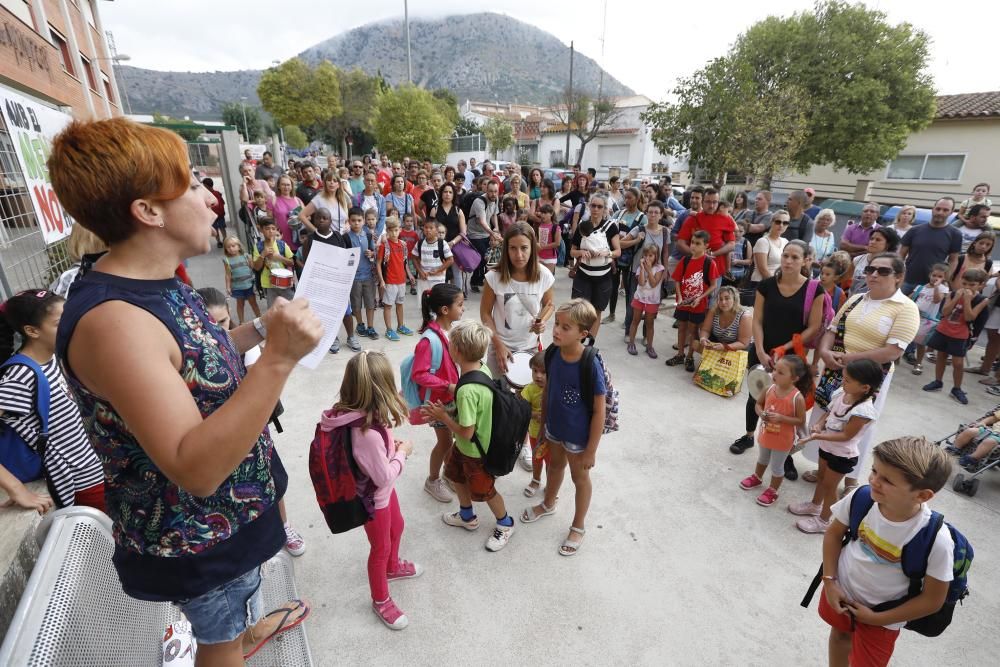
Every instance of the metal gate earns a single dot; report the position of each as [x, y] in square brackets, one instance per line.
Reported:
[25, 261]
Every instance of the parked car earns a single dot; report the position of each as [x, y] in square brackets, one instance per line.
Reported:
[556, 175]
[924, 216]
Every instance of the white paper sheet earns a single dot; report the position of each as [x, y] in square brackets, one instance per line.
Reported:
[326, 282]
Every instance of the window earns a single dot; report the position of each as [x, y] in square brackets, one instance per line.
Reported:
[108, 93]
[88, 69]
[556, 157]
[929, 167]
[60, 42]
[613, 155]
[20, 9]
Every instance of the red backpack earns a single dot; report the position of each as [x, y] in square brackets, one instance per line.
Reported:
[346, 496]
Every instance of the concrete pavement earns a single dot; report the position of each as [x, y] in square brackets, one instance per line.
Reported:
[679, 566]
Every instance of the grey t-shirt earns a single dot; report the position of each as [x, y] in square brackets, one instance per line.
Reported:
[801, 229]
[478, 225]
[659, 240]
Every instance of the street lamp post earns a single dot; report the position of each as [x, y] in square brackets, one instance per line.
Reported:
[246, 129]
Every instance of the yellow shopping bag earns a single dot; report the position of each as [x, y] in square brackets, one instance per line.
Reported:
[722, 372]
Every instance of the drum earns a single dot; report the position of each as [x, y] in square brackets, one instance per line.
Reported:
[758, 381]
[281, 278]
[518, 373]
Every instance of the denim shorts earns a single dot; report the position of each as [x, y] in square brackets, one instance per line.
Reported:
[243, 293]
[222, 614]
[570, 447]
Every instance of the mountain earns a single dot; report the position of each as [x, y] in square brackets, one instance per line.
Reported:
[482, 56]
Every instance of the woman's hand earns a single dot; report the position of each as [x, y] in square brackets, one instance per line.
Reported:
[502, 354]
[537, 327]
[833, 360]
[765, 359]
[293, 330]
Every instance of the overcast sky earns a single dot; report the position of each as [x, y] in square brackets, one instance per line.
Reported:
[648, 43]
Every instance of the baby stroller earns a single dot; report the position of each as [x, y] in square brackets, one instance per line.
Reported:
[969, 485]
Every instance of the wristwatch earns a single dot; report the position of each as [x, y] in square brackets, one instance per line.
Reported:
[258, 324]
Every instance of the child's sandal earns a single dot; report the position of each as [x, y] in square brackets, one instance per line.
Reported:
[529, 515]
[570, 547]
[533, 488]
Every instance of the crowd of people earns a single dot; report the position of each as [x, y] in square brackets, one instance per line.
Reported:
[194, 485]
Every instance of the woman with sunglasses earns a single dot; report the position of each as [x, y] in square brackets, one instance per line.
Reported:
[881, 240]
[768, 249]
[596, 247]
[876, 325]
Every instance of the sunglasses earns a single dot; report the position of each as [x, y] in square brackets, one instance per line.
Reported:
[597, 206]
[883, 271]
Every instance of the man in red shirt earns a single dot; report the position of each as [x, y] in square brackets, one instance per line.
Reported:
[720, 227]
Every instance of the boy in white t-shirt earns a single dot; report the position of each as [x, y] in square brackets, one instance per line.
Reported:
[431, 257]
[906, 473]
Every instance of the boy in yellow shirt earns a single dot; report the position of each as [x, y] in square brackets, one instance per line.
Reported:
[533, 394]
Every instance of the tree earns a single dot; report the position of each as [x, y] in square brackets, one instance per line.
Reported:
[723, 122]
[188, 130]
[499, 134]
[359, 95]
[864, 83]
[466, 126]
[448, 104]
[408, 121]
[232, 114]
[297, 94]
[586, 116]
[295, 137]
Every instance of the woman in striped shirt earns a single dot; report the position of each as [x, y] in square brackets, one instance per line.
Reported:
[72, 470]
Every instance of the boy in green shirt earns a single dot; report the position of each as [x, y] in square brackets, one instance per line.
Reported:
[467, 345]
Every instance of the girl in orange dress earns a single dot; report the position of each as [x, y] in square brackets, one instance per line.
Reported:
[782, 408]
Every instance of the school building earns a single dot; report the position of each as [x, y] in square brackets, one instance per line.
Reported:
[955, 152]
[55, 65]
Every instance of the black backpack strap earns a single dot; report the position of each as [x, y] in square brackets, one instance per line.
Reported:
[813, 586]
[587, 378]
[441, 257]
[706, 270]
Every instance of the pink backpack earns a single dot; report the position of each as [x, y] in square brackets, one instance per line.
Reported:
[828, 313]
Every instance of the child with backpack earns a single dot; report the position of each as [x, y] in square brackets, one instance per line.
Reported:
[851, 410]
[929, 299]
[239, 276]
[434, 372]
[41, 431]
[370, 406]
[363, 289]
[472, 426]
[549, 237]
[393, 276]
[696, 277]
[876, 535]
[269, 254]
[432, 257]
[830, 274]
[782, 409]
[572, 422]
[409, 235]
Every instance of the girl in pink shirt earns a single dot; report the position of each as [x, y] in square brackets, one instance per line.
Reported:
[441, 306]
[371, 405]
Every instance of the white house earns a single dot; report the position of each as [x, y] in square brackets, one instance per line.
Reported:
[540, 139]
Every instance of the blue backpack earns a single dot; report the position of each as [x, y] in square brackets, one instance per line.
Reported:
[411, 390]
[22, 459]
[915, 555]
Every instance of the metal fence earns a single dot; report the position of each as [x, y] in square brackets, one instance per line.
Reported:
[25, 261]
[467, 144]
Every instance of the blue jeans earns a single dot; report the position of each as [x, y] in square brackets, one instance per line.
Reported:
[224, 613]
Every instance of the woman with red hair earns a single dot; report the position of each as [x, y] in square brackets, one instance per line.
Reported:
[192, 479]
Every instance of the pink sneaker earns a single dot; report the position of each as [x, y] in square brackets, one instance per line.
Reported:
[768, 498]
[812, 525]
[805, 508]
[406, 570]
[390, 614]
[750, 482]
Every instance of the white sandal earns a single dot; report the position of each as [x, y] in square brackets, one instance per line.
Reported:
[530, 516]
[533, 487]
[569, 547]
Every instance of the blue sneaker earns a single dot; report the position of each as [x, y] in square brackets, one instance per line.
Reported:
[936, 385]
[959, 396]
[969, 463]
[361, 330]
[404, 330]
[391, 335]
[371, 333]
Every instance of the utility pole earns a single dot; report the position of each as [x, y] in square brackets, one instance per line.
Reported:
[569, 105]
[246, 129]
[409, 60]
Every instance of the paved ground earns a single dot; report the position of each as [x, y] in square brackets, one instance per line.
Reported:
[680, 567]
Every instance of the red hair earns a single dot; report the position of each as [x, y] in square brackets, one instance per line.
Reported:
[98, 168]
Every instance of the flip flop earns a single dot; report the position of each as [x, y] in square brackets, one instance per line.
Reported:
[810, 475]
[282, 627]
[570, 548]
[530, 516]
